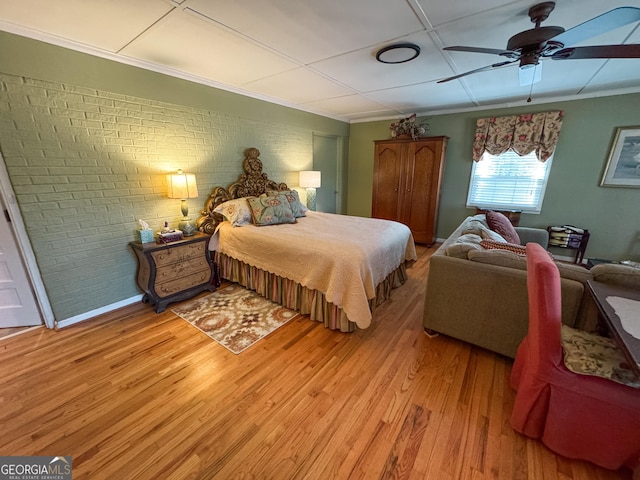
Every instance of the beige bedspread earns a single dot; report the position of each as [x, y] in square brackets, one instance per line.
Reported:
[342, 256]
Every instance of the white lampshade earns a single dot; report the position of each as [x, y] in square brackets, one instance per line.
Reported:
[182, 185]
[310, 179]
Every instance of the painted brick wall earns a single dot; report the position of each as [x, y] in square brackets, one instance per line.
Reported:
[86, 164]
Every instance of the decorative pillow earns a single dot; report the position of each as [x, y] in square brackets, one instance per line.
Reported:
[589, 354]
[237, 211]
[299, 210]
[271, 210]
[501, 224]
[478, 227]
[515, 248]
[463, 244]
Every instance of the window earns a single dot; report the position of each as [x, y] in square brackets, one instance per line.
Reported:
[508, 182]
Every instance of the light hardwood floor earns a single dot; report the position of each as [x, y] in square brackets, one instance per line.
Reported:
[138, 395]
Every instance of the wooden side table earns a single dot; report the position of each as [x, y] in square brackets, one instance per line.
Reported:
[174, 271]
[575, 241]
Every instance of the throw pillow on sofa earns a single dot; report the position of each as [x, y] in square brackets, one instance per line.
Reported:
[501, 224]
[512, 247]
[478, 227]
[463, 244]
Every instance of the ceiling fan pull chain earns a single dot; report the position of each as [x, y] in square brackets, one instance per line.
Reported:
[532, 82]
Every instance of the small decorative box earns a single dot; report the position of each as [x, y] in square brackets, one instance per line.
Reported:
[144, 236]
[168, 237]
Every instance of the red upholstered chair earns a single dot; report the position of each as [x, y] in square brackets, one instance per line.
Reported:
[578, 416]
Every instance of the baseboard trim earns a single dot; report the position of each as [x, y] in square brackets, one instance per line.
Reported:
[98, 311]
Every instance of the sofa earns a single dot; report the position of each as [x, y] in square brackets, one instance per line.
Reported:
[477, 288]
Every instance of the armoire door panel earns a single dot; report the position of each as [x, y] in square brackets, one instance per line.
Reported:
[386, 182]
[423, 168]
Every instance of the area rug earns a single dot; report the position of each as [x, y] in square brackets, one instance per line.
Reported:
[235, 317]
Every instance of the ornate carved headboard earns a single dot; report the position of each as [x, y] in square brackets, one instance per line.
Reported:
[251, 183]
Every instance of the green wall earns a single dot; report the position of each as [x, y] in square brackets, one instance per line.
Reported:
[573, 194]
[88, 142]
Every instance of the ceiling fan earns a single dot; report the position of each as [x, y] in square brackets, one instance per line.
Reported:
[530, 46]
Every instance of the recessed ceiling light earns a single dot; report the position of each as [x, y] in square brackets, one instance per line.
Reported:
[398, 53]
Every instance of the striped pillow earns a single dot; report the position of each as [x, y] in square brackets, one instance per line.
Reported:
[512, 247]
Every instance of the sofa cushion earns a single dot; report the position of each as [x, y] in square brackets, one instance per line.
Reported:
[532, 234]
[616, 274]
[574, 272]
[501, 224]
[507, 258]
[502, 258]
[463, 244]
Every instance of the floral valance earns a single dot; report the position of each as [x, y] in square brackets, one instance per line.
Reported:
[522, 133]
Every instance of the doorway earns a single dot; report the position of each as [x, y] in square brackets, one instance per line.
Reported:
[327, 158]
[23, 302]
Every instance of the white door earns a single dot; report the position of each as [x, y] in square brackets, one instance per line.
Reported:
[18, 306]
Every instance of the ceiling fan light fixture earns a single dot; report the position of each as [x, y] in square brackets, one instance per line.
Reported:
[529, 74]
[398, 53]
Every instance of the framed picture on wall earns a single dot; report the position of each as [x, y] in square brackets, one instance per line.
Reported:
[623, 166]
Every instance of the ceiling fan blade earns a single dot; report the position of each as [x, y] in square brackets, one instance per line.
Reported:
[610, 20]
[492, 51]
[598, 51]
[482, 69]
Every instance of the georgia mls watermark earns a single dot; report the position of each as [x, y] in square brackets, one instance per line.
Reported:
[35, 468]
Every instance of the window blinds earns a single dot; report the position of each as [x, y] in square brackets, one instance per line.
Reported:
[508, 182]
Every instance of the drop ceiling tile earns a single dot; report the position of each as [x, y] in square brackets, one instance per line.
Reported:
[502, 85]
[348, 105]
[487, 29]
[360, 69]
[616, 74]
[106, 25]
[299, 85]
[311, 30]
[444, 12]
[191, 44]
[425, 96]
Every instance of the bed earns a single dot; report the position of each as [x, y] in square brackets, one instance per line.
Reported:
[335, 268]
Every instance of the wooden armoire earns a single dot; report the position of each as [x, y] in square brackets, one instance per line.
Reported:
[406, 183]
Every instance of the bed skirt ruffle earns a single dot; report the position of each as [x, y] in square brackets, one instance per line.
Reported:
[293, 295]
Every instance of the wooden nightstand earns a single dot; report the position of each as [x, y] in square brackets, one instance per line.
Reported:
[174, 271]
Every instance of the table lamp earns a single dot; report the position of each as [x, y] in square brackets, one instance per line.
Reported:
[183, 185]
[310, 180]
